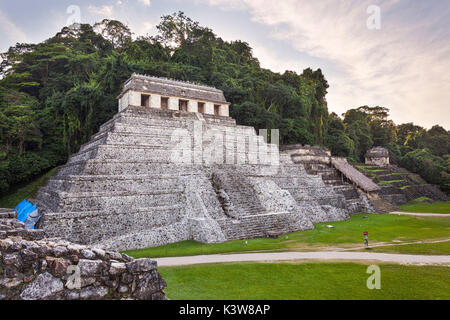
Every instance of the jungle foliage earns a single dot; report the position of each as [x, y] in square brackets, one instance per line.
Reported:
[54, 95]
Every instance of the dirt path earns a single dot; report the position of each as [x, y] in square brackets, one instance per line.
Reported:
[447, 215]
[290, 256]
[388, 244]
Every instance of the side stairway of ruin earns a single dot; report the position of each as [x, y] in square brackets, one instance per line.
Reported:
[399, 186]
[317, 161]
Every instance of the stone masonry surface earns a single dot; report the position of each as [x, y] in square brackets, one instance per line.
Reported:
[54, 269]
[151, 177]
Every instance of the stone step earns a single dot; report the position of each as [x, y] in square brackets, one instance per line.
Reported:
[395, 199]
[383, 206]
[97, 194]
[157, 153]
[7, 214]
[110, 200]
[143, 124]
[158, 130]
[135, 140]
[257, 226]
[334, 182]
[84, 227]
[119, 167]
[108, 124]
[113, 183]
[95, 140]
[153, 122]
[354, 206]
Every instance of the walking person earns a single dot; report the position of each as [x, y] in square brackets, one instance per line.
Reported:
[366, 238]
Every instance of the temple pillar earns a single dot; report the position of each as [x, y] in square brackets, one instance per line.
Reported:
[134, 98]
[224, 110]
[155, 101]
[173, 103]
[209, 108]
[192, 106]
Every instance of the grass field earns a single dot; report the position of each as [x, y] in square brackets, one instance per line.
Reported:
[381, 228]
[26, 191]
[439, 248]
[425, 207]
[278, 281]
[389, 181]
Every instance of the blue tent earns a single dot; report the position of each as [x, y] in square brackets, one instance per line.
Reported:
[24, 208]
[23, 215]
[20, 205]
[27, 213]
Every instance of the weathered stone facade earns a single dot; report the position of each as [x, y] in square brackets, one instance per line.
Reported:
[377, 156]
[307, 154]
[152, 176]
[32, 269]
[317, 160]
[161, 93]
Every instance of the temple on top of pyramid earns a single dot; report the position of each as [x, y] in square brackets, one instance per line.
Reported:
[161, 93]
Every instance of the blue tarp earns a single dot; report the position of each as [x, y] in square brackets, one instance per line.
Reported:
[20, 205]
[23, 213]
[27, 213]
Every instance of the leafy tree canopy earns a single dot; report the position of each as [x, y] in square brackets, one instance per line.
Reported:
[54, 95]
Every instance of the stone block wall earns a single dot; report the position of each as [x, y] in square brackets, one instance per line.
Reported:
[147, 179]
[55, 269]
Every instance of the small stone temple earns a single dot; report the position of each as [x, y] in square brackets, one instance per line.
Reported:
[168, 94]
[172, 165]
[378, 156]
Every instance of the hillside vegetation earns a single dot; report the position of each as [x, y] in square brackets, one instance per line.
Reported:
[54, 95]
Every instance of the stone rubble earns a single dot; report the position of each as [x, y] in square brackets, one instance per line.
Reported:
[33, 268]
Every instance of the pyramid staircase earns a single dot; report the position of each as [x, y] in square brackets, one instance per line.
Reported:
[355, 201]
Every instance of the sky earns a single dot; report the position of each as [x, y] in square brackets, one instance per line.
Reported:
[394, 54]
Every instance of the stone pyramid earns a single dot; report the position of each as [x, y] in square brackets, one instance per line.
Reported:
[152, 176]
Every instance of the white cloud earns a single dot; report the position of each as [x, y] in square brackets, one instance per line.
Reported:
[104, 11]
[146, 3]
[402, 66]
[144, 28]
[270, 60]
[10, 30]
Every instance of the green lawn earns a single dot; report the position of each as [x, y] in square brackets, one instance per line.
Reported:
[439, 248]
[389, 181]
[279, 281]
[435, 207]
[381, 228]
[27, 191]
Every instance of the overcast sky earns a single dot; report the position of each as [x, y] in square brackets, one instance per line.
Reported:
[402, 63]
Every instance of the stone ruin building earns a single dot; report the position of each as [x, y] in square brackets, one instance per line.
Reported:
[377, 156]
[172, 165]
[35, 268]
[358, 191]
[397, 185]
